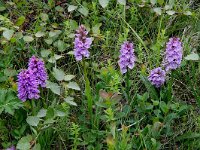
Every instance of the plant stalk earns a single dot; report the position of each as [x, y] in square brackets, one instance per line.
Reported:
[88, 92]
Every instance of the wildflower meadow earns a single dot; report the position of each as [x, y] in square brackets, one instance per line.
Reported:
[99, 75]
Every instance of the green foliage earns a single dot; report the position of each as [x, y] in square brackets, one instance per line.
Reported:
[8, 101]
[91, 105]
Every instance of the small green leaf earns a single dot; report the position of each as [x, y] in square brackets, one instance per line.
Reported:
[73, 85]
[170, 12]
[44, 17]
[68, 77]
[20, 21]
[49, 41]
[49, 121]
[54, 58]
[70, 53]
[54, 33]
[8, 34]
[60, 113]
[42, 113]
[33, 120]
[103, 3]
[24, 143]
[164, 107]
[73, 24]
[10, 72]
[39, 34]
[58, 74]
[192, 56]
[45, 53]
[96, 29]
[55, 88]
[57, 56]
[28, 38]
[37, 147]
[122, 2]
[70, 101]
[188, 13]
[2, 8]
[72, 8]
[60, 45]
[84, 11]
[59, 9]
[157, 10]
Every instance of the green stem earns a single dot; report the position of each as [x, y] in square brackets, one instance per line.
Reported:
[33, 107]
[128, 85]
[88, 92]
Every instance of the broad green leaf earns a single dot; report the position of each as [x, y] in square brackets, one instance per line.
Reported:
[70, 101]
[18, 35]
[59, 9]
[73, 85]
[160, 1]
[42, 113]
[55, 88]
[44, 17]
[24, 143]
[68, 77]
[28, 38]
[192, 56]
[84, 11]
[49, 41]
[73, 24]
[60, 45]
[54, 33]
[170, 12]
[37, 147]
[122, 2]
[72, 8]
[39, 34]
[8, 34]
[157, 10]
[103, 3]
[45, 53]
[2, 8]
[33, 120]
[58, 74]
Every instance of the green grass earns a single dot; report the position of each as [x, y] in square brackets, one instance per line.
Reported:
[102, 109]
